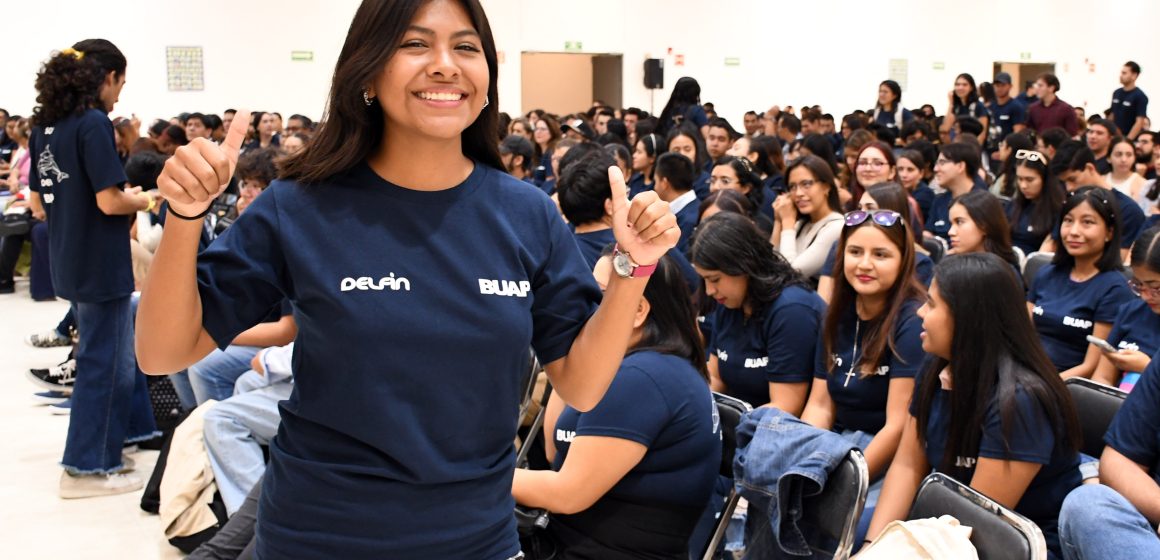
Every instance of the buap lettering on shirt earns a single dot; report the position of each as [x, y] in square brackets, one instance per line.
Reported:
[1037, 310]
[1077, 323]
[565, 435]
[966, 462]
[364, 283]
[508, 288]
[755, 363]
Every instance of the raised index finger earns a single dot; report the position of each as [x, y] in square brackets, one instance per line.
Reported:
[619, 189]
[235, 136]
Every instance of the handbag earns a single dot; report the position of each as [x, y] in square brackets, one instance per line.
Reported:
[15, 223]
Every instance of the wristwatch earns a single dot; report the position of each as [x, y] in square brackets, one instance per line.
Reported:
[625, 268]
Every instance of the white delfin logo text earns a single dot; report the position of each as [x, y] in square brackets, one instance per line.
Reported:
[367, 283]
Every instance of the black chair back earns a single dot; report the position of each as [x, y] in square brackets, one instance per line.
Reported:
[1034, 262]
[836, 510]
[1096, 405]
[935, 247]
[729, 412]
[997, 532]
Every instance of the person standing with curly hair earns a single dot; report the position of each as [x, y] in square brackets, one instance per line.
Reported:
[77, 174]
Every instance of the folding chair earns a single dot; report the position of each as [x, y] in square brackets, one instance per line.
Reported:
[1033, 263]
[729, 412]
[997, 532]
[1096, 406]
[835, 512]
[936, 247]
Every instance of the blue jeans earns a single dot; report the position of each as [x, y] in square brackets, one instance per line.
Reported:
[1096, 522]
[184, 389]
[214, 376]
[110, 400]
[68, 323]
[234, 430]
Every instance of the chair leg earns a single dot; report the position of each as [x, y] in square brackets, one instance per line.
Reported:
[722, 524]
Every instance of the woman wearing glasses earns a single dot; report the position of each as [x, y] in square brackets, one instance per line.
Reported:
[767, 319]
[1081, 291]
[870, 350]
[807, 221]
[989, 410]
[1034, 210]
[1136, 330]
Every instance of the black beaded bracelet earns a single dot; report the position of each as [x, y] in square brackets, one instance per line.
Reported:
[190, 218]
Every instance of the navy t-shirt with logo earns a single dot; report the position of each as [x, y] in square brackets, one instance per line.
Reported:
[1127, 106]
[777, 347]
[1136, 327]
[661, 402]
[1008, 115]
[860, 400]
[1135, 431]
[73, 160]
[1064, 311]
[415, 313]
[1032, 441]
[1023, 234]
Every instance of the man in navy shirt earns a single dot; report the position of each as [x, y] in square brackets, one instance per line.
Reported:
[1010, 115]
[516, 153]
[1117, 518]
[1075, 166]
[674, 184]
[1129, 104]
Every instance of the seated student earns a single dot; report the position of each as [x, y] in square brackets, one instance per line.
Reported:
[766, 322]
[957, 171]
[989, 410]
[737, 173]
[725, 201]
[883, 196]
[1033, 213]
[910, 165]
[765, 153]
[870, 348]
[1117, 518]
[807, 219]
[674, 184]
[631, 476]
[1136, 329]
[979, 225]
[516, 153]
[585, 198]
[1074, 165]
[873, 164]
[1080, 292]
[686, 140]
[236, 428]
[1006, 183]
[644, 157]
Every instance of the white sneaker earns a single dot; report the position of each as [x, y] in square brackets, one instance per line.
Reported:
[94, 485]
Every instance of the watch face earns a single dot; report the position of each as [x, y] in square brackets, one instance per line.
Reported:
[622, 265]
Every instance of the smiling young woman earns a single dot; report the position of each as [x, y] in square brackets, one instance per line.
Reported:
[397, 440]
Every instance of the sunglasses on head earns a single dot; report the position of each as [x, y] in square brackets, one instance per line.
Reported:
[1030, 155]
[884, 218]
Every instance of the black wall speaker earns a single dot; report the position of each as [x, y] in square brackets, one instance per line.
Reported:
[654, 73]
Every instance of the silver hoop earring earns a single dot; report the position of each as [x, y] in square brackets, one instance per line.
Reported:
[367, 99]
[486, 102]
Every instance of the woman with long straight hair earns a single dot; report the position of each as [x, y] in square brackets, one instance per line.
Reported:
[963, 102]
[684, 106]
[1033, 212]
[78, 179]
[644, 157]
[989, 410]
[807, 217]
[978, 225]
[888, 110]
[420, 274]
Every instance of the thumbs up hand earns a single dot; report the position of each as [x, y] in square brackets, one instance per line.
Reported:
[199, 171]
[644, 227]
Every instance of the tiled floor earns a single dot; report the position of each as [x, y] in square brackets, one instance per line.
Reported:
[34, 522]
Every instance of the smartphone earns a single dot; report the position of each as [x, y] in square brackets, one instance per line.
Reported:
[1101, 344]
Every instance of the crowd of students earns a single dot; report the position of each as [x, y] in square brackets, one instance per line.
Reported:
[868, 279]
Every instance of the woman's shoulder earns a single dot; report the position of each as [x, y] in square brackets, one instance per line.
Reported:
[796, 295]
[667, 372]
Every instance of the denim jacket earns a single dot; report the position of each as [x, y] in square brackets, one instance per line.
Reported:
[780, 461]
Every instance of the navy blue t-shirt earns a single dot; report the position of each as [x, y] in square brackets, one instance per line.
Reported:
[701, 185]
[924, 196]
[1136, 327]
[415, 313]
[661, 402]
[637, 185]
[592, 243]
[1127, 106]
[1007, 116]
[777, 347]
[1131, 218]
[890, 120]
[75, 159]
[1065, 311]
[1023, 234]
[687, 219]
[974, 110]
[923, 266]
[1135, 431]
[938, 220]
[1032, 441]
[860, 400]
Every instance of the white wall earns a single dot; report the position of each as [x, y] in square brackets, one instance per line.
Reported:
[829, 52]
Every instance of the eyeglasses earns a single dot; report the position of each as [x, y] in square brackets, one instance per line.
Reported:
[884, 218]
[804, 185]
[1031, 155]
[1143, 290]
[871, 163]
[725, 181]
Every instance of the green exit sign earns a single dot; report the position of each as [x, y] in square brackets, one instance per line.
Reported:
[1024, 56]
[732, 61]
[938, 66]
[573, 46]
[302, 56]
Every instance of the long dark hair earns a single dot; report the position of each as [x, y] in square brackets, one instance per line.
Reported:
[1108, 208]
[746, 177]
[972, 96]
[352, 130]
[994, 352]
[1044, 209]
[822, 175]
[1015, 141]
[689, 130]
[732, 244]
[671, 325]
[686, 92]
[880, 329]
[987, 213]
[1146, 250]
[820, 146]
[770, 161]
[69, 83]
